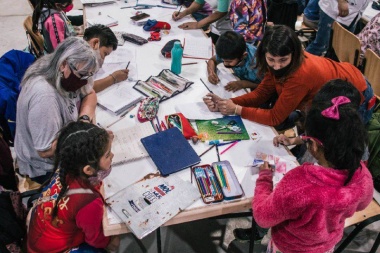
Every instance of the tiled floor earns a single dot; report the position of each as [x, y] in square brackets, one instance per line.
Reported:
[204, 236]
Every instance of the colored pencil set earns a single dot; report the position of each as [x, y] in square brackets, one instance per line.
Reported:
[217, 182]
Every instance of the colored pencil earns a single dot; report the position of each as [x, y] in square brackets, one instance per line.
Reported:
[230, 146]
[189, 63]
[204, 152]
[226, 179]
[217, 153]
[206, 86]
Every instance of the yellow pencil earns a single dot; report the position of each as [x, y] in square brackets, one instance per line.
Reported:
[226, 180]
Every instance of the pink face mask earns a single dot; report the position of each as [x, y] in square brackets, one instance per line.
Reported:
[100, 175]
[68, 8]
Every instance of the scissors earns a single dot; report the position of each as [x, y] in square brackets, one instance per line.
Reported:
[231, 126]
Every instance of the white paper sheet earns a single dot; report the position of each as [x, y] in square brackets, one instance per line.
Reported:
[197, 110]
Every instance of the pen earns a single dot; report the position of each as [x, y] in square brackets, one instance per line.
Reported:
[190, 63]
[204, 152]
[179, 11]
[230, 146]
[127, 65]
[122, 116]
[206, 86]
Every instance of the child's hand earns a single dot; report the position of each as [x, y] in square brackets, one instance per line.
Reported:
[178, 15]
[211, 100]
[121, 74]
[281, 139]
[265, 166]
[189, 25]
[114, 243]
[234, 86]
[213, 77]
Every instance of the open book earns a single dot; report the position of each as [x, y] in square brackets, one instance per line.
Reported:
[126, 145]
[146, 205]
[118, 98]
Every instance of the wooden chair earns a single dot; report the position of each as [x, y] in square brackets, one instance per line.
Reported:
[36, 40]
[371, 65]
[344, 45]
[361, 220]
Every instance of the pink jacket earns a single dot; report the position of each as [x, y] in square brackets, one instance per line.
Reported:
[308, 207]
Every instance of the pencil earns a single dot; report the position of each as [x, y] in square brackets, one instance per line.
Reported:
[217, 153]
[206, 86]
[180, 8]
[127, 65]
[204, 152]
[189, 63]
[122, 116]
[226, 179]
[230, 146]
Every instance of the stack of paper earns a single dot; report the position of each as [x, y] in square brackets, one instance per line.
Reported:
[194, 49]
[103, 20]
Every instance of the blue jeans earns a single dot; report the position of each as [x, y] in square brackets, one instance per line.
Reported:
[363, 108]
[322, 39]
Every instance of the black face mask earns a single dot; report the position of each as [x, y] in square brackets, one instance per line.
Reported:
[279, 72]
[72, 83]
[237, 64]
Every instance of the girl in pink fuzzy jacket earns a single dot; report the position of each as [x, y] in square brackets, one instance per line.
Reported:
[307, 209]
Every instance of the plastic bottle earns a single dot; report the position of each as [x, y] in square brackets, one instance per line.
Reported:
[176, 52]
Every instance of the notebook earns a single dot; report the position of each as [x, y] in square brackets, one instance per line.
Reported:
[118, 98]
[170, 151]
[193, 49]
[126, 145]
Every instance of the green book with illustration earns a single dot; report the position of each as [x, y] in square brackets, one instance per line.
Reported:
[226, 128]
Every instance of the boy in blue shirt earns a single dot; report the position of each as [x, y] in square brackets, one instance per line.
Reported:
[235, 53]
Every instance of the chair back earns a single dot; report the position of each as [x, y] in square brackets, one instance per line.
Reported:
[372, 70]
[36, 40]
[345, 44]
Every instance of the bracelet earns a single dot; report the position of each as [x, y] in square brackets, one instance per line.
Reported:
[236, 109]
[114, 78]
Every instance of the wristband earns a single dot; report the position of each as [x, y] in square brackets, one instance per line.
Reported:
[86, 118]
[114, 78]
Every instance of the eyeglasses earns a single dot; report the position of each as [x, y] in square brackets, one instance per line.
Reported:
[306, 138]
[81, 77]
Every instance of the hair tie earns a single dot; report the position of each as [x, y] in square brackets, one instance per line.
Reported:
[332, 112]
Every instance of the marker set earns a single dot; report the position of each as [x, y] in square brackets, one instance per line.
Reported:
[217, 182]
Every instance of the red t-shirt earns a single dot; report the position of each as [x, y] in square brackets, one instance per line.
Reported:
[79, 220]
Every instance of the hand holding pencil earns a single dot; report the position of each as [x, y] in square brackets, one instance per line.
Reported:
[212, 100]
[177, 15]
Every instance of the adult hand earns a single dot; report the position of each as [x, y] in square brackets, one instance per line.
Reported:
[212, 100]
[121, 74]
[213, 77]
[281, 139]
[178, 15]
[226, 107]
[265, 166]
[189, 26]
[343, 8]
[234, 86]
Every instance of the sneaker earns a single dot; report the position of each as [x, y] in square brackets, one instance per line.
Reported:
[244, 234]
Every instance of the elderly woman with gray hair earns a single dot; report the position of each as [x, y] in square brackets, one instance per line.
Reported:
[55, 90]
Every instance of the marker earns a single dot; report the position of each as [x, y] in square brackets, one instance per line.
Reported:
[218, 142]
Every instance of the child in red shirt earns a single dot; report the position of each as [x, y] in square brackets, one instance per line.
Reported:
[69, 211]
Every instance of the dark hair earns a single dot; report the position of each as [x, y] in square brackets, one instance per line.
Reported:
[79, 144]
[105, 35]
[230, 45]
[39, 5]
[279, 40]
[338, 87]
[344, 140]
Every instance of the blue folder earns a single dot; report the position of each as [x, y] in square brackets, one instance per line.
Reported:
[170, 151]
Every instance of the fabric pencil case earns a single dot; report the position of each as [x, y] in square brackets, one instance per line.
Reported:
[134, 38]
[148, 109]
[183, 124]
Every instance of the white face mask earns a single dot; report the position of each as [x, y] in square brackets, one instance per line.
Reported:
[99, 58]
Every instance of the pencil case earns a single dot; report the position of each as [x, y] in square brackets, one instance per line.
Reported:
[148, 109]
[183, 124]
[134, 38]
[227, 180]
[207, 183]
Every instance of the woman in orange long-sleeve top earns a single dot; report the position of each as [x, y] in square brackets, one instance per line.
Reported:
[295, 76]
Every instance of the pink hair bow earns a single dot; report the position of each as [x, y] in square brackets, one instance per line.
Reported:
[332, 112]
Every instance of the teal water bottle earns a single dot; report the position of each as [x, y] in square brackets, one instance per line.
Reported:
[177, 52]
